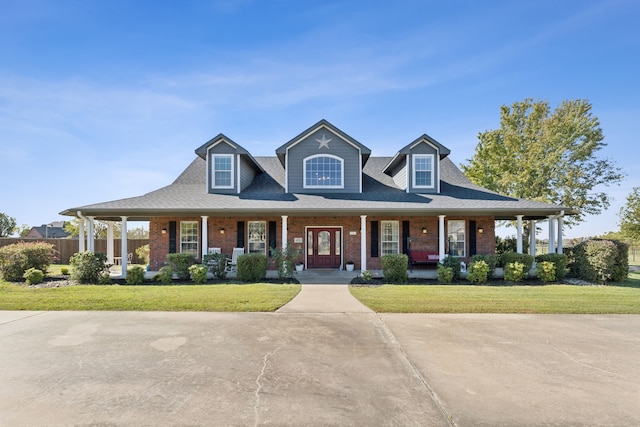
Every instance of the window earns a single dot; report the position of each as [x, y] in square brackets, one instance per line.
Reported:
[323, 171]
[258, 237]
[390, 237]
[423, 170]
[222, 171]
[456, 237]
[189, 237]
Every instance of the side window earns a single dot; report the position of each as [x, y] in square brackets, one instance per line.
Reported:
[189, 237]
[456, 237]
[389, 237]
[222, 171]
[258, 237]
[323, 171]
[423, 171]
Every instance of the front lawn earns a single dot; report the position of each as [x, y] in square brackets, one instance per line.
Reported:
[247, 298]
[501, 299]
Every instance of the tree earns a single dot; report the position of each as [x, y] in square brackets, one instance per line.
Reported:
[630, 216]
[23, 230]
[7, 225]
[100, 230]
[546, 156]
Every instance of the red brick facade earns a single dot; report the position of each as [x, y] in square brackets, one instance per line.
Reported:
[297, 227]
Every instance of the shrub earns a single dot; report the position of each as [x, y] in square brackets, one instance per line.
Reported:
[252, 267]
[602, 260]
[514, 271]
[394, 268]
[104, 279]
[216, 264]
[144, 253]
[445, 274]
[135, 276]
[33, 276]
[16, 259]
[198, 273]
[285, 260]
[558, 260]
[525, 259]
[546, 271]
[490, 259]
[88, 266]
[165, 275]
[366, 275]
[180, 264]
[64, 271]
[454, 263]
[478, 272]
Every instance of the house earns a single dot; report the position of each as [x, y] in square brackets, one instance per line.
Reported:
[325, 194]
[48, 231]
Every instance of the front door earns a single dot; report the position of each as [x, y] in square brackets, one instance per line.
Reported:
[324, 247]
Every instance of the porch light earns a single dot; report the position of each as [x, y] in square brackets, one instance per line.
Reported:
[222, 231]
[480, 230]
[424, 230]
[164, 230]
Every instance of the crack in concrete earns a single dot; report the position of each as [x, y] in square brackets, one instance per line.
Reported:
[256, 407]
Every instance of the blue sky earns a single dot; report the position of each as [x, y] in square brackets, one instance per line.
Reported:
[101, 100]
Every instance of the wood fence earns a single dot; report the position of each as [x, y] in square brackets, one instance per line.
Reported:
[65, 248]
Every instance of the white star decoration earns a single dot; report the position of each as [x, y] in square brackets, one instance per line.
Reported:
[324, 142]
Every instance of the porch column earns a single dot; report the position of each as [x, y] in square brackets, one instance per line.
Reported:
[363, 242]
[205, 235]
[552, 237]
[91, 233]
[81, 247]
[532, 237]
[441, 239]
[110, 242]
[123, 247]
[519, 233]
[284, 232]
[560, 234]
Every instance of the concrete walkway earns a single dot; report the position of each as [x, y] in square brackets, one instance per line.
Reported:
[324, 299]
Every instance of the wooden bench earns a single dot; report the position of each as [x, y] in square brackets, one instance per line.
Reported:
[423, 257]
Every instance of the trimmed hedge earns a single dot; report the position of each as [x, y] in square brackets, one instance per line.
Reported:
[394, 268]
[492, 261]
[454, 263]
[558, 260]
[252, 267]
[511, 257]
[601, 260]
[16, 259]
[180, 264]
[88, 267]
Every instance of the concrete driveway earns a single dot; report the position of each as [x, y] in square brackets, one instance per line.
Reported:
[346, 367]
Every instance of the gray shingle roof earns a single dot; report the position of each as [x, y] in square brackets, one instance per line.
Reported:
[188, 196]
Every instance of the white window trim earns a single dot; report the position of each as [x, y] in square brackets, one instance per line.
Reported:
[266, 238]
[413, 170]
[197, 241]
[304, 171]
[382, 241]
[464, 241]
[213, 172]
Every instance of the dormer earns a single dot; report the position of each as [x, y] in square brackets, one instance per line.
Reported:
[230, 168]
[416, 167]
[323, 159]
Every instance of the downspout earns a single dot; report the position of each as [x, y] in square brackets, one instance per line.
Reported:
[81, 231]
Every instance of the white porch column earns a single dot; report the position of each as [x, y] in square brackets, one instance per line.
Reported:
[519, 234]
[81, 247]
[110, 242]
[124, 252]
[205, 235]
[560, 234]
[441, 240]
[363, 242]
[284, 232]
[532, 237]
[552, 237]
[91, 235]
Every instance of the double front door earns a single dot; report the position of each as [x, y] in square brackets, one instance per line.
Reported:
[324, 247]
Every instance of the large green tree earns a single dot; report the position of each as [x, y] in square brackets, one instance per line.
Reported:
[547, 156]
[630, 216]
[7, 225]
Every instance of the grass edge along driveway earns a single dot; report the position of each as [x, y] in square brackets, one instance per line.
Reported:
[229, 298]
[549, 299]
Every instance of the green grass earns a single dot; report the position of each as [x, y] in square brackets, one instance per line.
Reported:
[501, 299]
[246, 298]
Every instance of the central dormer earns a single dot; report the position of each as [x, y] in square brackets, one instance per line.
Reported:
[323, 159]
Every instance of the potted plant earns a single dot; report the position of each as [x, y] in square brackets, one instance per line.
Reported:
[299, 266]
[349, 265]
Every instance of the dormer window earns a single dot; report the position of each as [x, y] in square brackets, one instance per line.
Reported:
[323, 171]
[222, 171]
[423, 171]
